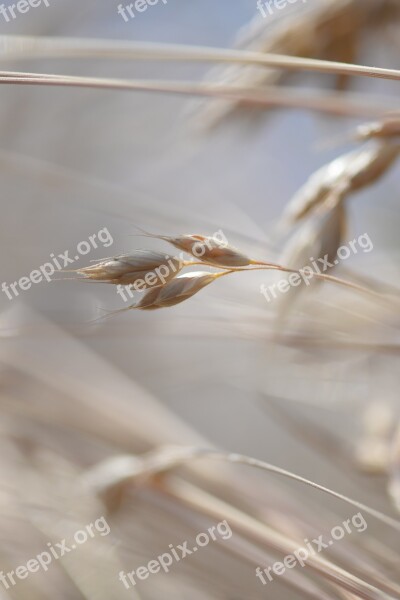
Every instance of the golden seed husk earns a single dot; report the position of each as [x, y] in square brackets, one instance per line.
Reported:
[211, 250]
[176, 291]
[128, 269]
[214, 250]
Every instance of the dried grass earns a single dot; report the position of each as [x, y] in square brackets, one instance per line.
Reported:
[81, 437]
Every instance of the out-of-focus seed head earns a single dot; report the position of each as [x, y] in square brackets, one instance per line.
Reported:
[378, 419]
[387, 128]
[319, 236]
[324, 28]
[316, 190]
[372, 164]
[347, 174]
[154, 268]
[372, 455]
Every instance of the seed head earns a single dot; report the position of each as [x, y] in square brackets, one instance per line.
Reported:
[211, 250]
[176, 291]
[387, 128]
[140, 265]
[214, 250]
[347, 173]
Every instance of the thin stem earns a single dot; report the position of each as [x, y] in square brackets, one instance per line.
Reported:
[193, 453]
[270, 266]
[259, 533]
[32, 47]
[327, 103]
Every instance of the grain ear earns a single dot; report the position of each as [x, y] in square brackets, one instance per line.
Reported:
[386, 128]
[151, 268]
[318, 237]
[214, 250]
[318, 32]
[180, 289]
[211, 250]
[343, 176]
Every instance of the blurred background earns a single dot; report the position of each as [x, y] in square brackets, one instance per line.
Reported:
[315, 393]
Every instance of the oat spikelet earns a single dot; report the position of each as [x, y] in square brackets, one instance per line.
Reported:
[386, 128]
[127, 269]
[176, 291]
[320, 236]
[213, 250]
[346, 174]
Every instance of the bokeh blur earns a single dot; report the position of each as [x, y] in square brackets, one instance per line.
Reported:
[312, 388]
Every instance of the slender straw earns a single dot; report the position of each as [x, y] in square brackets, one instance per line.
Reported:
[327, 103]
[32, 47]
[187, 454]
[269, 266]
